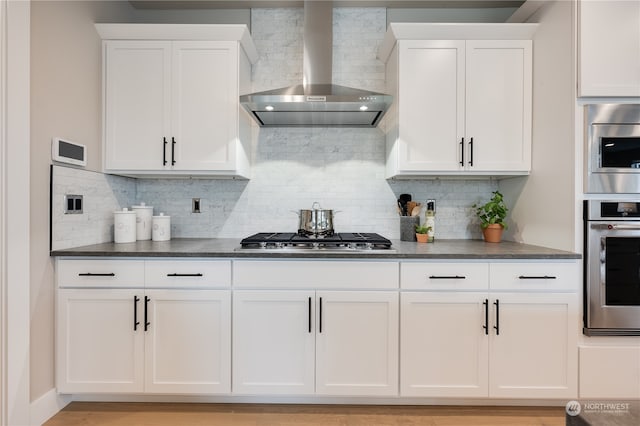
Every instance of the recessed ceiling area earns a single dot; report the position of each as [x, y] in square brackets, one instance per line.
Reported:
[238, 11]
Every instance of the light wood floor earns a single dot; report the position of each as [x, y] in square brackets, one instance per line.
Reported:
[156, 414]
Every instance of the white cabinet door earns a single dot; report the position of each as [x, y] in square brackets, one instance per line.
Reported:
[533, 349]
[357, 343]
[608, 48]
[444, 346]
[204, 105]
[188, 341]
[498, 105]
[100, 348]
[137, 90]
[273, 342]
[431, 88]
[463, 107]
[172, 108]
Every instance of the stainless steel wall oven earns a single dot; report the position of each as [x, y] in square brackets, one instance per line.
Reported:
[613, 149]
[612, 267]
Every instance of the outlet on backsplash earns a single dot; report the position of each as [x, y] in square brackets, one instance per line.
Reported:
[73, 204]
[195, 205]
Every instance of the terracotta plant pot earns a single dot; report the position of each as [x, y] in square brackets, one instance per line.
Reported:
[493, 233]
[422, 238]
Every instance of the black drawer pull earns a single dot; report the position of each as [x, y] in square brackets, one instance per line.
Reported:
[534, 277]
[447, 277]
[90, 274]
[185, 275]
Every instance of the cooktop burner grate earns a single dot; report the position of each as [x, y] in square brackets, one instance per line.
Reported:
[292, 240]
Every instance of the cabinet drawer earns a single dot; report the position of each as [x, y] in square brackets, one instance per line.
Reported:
[444, 276]
[534, 276]
[100, 273]
[187, 273]
[315, 274]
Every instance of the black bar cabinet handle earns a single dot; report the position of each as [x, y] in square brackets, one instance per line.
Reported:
[320, 316]
[136, 323]
[536, 277]
[146, 313]
[164, 151]
[447, 277]
[471, 152]
[486, 316]
[462, 152]
[173, 151]
[497, 326]
[309, 310]
[91, 274]
[185, 275]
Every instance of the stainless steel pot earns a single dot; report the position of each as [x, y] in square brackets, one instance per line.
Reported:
[316, 221]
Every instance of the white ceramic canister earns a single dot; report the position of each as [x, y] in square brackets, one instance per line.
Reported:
[124, 226]
[161, 228]
[144, 216]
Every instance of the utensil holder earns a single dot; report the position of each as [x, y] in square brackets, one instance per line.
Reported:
[408, 227]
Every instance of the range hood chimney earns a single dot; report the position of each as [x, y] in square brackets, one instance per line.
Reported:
[317, 102]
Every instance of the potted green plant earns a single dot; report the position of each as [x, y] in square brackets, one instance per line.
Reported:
[492, 216]
[421, 233]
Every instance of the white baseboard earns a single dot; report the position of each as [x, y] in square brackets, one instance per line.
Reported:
[45, 407]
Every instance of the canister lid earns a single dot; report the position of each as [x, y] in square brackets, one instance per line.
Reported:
[142, 206]
[124, 211]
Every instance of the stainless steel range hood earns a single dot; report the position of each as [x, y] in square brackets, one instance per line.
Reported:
[317, 102]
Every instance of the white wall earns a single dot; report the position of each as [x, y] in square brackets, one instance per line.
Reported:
[66, 83]
[14, 202]
[542, 204]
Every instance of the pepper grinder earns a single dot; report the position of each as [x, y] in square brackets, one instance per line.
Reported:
[430, 220]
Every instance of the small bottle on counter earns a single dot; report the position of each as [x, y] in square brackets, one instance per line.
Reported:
[430, 220]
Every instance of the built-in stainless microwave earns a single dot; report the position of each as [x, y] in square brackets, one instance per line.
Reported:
[613, 149]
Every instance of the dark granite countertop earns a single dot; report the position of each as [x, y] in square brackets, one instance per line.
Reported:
[230, 248]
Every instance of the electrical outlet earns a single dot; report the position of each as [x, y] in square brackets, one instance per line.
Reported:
[73, 204]
[195, 205]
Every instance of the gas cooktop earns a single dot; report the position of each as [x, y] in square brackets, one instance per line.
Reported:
[361, 241]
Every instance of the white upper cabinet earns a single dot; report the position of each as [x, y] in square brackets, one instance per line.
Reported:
[171, 107]
[462, 99]
[608, 48]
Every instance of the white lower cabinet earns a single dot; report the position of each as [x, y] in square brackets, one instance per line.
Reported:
[100, 348]
[533, 345]
[506, 344]
[134, 340]
[454, 330]
[444, 351]
[188, 341]
[273, 342]
[315, 342]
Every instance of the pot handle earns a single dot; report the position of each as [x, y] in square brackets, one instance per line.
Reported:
[297, 213]
[313, 206]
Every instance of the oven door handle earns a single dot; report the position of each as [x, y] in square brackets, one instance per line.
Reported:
[616, 226]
